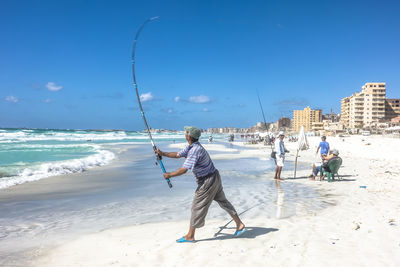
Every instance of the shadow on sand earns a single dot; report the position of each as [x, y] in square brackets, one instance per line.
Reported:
[251, 232]
[339, 178]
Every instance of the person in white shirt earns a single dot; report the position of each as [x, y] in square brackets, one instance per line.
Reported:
[280, 155]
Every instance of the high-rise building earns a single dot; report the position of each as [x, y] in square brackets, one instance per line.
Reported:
[356, 110]
[374, 102]
[392, 108]
[364, 108]
[305, 118]
[344, 114]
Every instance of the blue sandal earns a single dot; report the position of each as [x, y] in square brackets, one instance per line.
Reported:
[239, 232]
[184, 240]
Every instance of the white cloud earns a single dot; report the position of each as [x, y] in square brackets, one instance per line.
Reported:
[177, 99]
[48, 100]
[170, 110]
[53, 87]
[199, 99]
[12, 99]
[205, 109]
[146, 97]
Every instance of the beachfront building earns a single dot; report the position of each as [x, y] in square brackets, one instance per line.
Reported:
[392, 108]
[317, 126]
[332, 128]
[331, 117]
[284, 124]
[356, 111]
[374, 102]
[331, 124]
[364, 108]
[262, 126]
[306, 118]
[344, 113]
[395, 121]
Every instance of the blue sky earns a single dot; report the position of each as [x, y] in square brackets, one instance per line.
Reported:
[67, 64]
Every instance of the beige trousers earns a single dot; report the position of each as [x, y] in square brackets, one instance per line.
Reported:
[210, 190]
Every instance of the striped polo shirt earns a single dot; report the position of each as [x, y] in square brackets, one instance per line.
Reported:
[197, 160]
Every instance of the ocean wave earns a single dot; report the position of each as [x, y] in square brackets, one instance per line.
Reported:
[76, 137]
[52, 146]
[49, 169]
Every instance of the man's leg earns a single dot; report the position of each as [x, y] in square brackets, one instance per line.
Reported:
[202, 200]
[312, 176]
[316, 170]
[279, 165]
[190, 234]
[228, 207]
[239, 223]
[278, 172]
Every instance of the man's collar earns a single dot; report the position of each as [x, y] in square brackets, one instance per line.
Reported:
[197, 142]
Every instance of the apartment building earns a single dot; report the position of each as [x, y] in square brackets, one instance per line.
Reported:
[331, 117]
[344, 113]
[364, 108]
[306, 118]
[392, 108]
[356, 110]
[374, 102]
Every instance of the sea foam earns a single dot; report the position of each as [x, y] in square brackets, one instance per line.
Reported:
[49, 169]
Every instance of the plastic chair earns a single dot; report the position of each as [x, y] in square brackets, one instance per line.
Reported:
[334, 165]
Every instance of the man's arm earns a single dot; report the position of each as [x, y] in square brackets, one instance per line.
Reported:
[167, 154]
[177, 172]
[285, 149]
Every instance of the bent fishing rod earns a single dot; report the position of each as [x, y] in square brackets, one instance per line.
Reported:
[262, 110]
[158, 157]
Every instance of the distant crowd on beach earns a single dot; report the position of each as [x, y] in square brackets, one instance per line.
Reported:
[327, 160]
[268, 139]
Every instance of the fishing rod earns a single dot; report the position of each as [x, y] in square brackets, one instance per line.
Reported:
[158, 157]
[262, 110]
[259, 101]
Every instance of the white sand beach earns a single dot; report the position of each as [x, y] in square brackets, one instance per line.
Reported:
[359, 227]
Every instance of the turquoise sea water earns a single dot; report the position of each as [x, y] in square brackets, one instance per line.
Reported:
[31, 154]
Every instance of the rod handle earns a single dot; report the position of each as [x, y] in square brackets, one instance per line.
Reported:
[163, 170]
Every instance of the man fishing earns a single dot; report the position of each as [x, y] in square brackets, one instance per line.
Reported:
[209, 183]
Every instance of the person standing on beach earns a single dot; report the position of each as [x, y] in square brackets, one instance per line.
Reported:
[324, 147]
[280, 155]
[208, 180]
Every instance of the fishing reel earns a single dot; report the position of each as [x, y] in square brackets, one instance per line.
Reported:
[158, 158]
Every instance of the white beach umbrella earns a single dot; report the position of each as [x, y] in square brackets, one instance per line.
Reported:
[302, 144]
